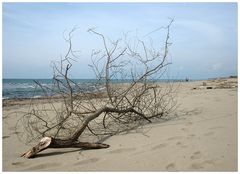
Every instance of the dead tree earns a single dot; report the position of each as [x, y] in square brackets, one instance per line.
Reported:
[110, 109]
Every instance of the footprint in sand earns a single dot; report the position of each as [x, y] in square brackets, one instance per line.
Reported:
[42, 166]
[170, 166]
[175, 138]
[87, 161]
[184, 129]
[196, 155]
[197, 166]
[178, 143]
[208, 133]
[189, 123]
[5, 136]
[184, 146]
[202, 164]
[159, 146]
[122, 150]
[15, 132]
[181, 145]
[211, 162]
[191, 136]
[217, 127]
[18, 164]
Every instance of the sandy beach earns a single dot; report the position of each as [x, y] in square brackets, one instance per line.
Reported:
[201, 136]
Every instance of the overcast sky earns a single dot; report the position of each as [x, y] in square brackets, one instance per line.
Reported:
[204, 35]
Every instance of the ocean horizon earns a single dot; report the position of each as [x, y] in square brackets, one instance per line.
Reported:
[16, 88]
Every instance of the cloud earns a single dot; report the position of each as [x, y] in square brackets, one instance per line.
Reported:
[180, 68]
[216, 66]
[211, 32]
[16, 20]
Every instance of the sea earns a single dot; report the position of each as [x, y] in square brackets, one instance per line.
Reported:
[27, 88]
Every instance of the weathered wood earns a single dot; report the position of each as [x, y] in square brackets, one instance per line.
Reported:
[106, 110]
[42, 145]
[87, 145]
[49, 142]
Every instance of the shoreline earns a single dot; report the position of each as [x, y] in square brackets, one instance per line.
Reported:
[43, 99]
[24, 101]
[19, 89]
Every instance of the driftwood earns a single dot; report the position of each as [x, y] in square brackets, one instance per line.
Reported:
[49, 142]
[116, 108]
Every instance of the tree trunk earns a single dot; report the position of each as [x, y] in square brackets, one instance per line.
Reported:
[49, 142]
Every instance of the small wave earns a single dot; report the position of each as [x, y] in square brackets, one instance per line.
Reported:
[37, 96]
[27, 88]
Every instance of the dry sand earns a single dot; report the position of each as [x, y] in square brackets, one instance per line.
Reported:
[203, 137]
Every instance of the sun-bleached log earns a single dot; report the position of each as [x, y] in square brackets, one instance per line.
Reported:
[49, 142]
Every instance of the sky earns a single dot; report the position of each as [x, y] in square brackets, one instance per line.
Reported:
[203, 35]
